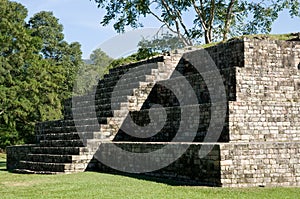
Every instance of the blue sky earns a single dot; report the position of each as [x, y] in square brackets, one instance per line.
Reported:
[81, 21]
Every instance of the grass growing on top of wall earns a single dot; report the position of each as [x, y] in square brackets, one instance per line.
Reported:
[99, 185]
[280, 37]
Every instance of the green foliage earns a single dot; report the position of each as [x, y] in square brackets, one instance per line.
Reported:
[121, 61]
[162, 43]
[214, 20]
[37, 69]
[89, 74]
[100, 58]
[142, 54]
[57, 51]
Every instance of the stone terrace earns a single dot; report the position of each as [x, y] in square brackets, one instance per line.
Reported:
[258, 146]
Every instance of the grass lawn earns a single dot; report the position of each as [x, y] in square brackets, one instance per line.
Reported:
[99, 185]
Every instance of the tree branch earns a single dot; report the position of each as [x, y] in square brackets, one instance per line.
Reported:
[228, 19]
[162, 21]
[170, 12]
[212, 13]
[211, 20]
[200, 13]
[186, 32]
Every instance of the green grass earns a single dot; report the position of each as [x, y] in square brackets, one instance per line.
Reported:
[99, 185]
[280, 37]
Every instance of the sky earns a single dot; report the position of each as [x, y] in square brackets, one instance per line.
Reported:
[81, 20]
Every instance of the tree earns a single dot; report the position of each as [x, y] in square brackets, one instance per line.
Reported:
[57, 51]
[160, 43]
[100, 61]
[18, 50]
[213, 20]
[100, 58]
[89, 73]
[33, 74]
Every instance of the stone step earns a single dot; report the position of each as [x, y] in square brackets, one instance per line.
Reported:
[90, 101]
[124, 92]
[83, 122]
[99, 108]
[119, 96]
[60, 150]
[61, 143]
[50, 158]
[103, 107]
[120, 70]
[132, 85]
[106, 92]
[70, 129]
[114, 80]
[47, 167]
[120, 88]
[89, 108]
[71, 136]
[135, 72]
[53, 123]
[91, 115]
[107, 100]
[107, 84]
[59, 136]
[26, 171]
[65, 129]
[98, 116]
[68, 136]
[87, 124]
[80, 122]
[132, 80]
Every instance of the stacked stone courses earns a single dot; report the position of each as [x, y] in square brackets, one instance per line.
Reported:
[258, 146]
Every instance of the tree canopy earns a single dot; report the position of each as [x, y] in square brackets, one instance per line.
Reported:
[212, 20]
[90, 73]
[37, 68]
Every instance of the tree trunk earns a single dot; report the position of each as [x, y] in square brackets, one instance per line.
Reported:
[228, 20]
[225, 33]
[208, 36]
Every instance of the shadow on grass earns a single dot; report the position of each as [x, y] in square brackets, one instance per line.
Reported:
[168, 181]
[171, 182]
[160, 177]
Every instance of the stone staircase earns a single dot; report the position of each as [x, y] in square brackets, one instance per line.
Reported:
[68, 145]
[255, 144]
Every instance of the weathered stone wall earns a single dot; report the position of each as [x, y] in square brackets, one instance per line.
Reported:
[188, 169]
[260, 164]
[15, 154]
[227, 165]
[264, 120]
[267, 91]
